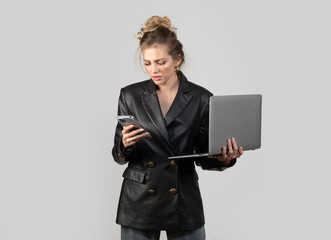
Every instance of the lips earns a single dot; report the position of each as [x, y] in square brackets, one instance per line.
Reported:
[156, 77]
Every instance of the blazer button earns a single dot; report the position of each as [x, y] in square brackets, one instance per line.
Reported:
[150, 164]
[151, 192]
[173, 163]
[173, 191]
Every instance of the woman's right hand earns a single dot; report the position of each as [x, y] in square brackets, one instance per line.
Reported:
[129, 138]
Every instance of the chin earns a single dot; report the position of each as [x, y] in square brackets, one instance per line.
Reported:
[158, 82]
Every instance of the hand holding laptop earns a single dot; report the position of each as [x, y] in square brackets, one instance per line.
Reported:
[232, 116]
[230, 154]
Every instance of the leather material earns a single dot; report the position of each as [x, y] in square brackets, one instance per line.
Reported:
[184, 130]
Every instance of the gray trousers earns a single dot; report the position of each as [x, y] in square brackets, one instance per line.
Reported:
[139, 234]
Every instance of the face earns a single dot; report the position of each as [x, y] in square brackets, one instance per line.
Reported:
[160, 65]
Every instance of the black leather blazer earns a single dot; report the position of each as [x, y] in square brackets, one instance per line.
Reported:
[158, 193]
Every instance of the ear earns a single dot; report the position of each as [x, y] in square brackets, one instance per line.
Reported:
[178, 61]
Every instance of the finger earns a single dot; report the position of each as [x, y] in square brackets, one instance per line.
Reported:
[224, 151]
[235, 147]
[129, 141]
[126, 142]
[224, 155]
[230, 149]
[234, 144]
[240, 152]
[132, 141]
[137, 138]
[126, 135]
[135, 132]
[127, 128]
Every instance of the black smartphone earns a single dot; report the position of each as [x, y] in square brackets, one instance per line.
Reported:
[126, 120]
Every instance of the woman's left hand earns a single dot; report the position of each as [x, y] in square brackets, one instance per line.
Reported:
[233, 152]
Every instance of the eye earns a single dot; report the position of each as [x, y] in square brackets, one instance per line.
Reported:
[147, 64]
[162, 63]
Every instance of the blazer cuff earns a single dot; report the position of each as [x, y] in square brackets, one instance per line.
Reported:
[120, 154]
[213, 164]
[125, 151]
[232, 162]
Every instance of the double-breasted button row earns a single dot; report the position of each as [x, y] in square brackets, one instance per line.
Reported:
[172, 191]
[152, 164]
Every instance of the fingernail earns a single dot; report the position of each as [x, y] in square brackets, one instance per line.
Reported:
[232, 138]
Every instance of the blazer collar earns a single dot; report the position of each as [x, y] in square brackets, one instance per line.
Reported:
[182, 98]
[152, 107]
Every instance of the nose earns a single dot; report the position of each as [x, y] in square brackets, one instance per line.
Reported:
[155, 68]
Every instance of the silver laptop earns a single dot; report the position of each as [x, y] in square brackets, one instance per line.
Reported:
[237, 116]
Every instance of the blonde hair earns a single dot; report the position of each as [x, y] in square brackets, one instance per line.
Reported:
[158, 30]
[153, 23]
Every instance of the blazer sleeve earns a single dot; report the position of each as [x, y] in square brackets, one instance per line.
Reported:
[120, 154]
[202, 146]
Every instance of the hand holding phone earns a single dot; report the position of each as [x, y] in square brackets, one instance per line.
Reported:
[132, 130]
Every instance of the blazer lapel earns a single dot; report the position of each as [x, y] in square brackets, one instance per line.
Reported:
[182, 98]
[152, 108]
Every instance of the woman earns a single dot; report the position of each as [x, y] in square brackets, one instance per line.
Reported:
[157, 193]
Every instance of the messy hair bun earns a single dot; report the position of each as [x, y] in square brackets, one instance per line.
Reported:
[153, 23]
[158, 30]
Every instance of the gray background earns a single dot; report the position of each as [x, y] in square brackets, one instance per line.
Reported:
[63, 64]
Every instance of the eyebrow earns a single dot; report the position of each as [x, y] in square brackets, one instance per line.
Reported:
[156, 60]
